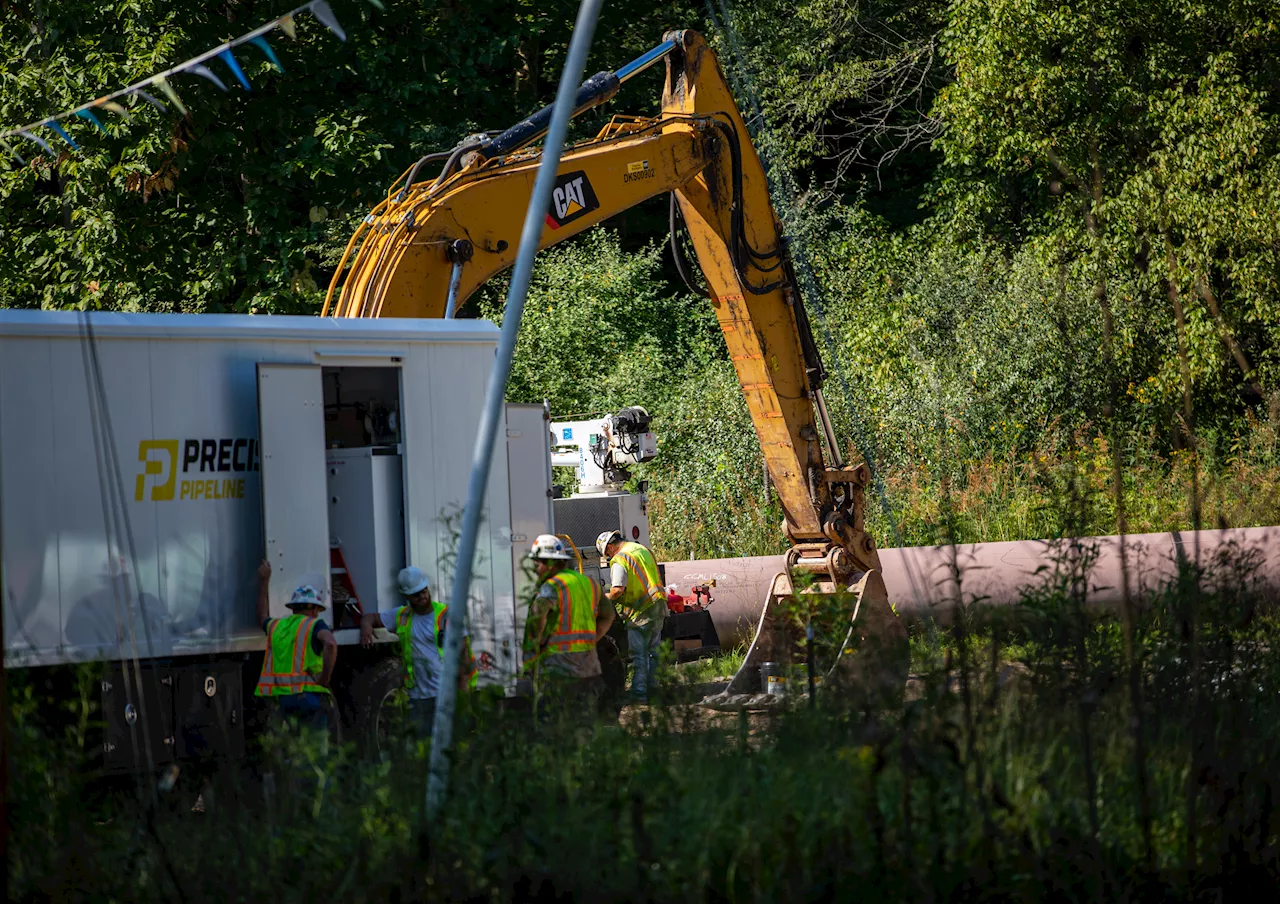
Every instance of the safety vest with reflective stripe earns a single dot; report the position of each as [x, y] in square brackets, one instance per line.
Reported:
[404, 630]
[578, 598]
[291, 666]
[644, 597]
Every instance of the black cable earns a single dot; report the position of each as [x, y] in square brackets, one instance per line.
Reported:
[103, 440]
[739, 247]
[413, 173]
[452, 163]
[677, 252]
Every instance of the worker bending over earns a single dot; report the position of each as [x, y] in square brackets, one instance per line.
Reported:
[566, 619]
[420, 624]
[301, 654]
[642, 602]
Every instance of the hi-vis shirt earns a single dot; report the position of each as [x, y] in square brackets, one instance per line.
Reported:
[423, 650]
[644, 600]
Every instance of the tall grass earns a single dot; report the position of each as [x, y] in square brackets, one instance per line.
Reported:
[1039, 494]
[1005, 772]
[1061, 487]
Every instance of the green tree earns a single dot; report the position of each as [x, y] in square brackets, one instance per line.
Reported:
[246, 203]
[601, 329]
[1134, 134]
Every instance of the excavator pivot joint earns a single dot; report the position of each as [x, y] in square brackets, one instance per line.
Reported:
[460, 251]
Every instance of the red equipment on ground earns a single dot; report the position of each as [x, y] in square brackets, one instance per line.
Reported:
[700, 599]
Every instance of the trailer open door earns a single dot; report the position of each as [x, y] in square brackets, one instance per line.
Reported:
[295, 504]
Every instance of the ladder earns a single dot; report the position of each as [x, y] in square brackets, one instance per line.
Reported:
[346, 603]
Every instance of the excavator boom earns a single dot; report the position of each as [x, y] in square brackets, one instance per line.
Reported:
[429, 245]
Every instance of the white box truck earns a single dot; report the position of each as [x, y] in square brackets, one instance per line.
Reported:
[149, 462]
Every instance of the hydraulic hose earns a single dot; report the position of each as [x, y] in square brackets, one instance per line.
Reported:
[595, 91]
[677, 253]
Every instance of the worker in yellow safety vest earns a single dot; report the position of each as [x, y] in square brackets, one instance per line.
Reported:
[637, 591]
[566, 619]
[420, 625]
[301, 654]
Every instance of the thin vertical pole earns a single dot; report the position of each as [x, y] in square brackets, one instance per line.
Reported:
[495, 394]
[455, 280]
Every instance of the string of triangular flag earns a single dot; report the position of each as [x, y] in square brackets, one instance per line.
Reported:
[160, 82]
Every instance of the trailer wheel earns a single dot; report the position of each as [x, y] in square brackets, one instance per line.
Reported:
[375, 715]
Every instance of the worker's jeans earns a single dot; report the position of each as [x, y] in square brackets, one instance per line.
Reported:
[575, 700]
[307, 710]
[643, 645]
[422, 714]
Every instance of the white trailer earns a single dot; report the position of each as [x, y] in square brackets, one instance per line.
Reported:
[148, 464]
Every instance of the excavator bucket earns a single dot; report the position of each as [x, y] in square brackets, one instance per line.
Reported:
[860, 648]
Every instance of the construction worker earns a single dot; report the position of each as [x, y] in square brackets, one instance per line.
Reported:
[301, 654]
[641, 599]
[566, 619]
[420, 624]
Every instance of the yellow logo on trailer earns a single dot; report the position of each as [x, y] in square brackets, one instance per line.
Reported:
[159, 458]
[166, 452]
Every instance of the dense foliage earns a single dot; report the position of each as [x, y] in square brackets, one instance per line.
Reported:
[245, 204]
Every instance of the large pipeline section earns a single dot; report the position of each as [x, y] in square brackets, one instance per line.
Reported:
[922, 581]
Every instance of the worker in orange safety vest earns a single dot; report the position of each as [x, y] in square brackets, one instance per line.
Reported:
[301, 654]
[566, 619]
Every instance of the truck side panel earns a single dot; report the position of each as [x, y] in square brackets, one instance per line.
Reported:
[32, 615]
[295, 507]
[529, 463]
[182, 397]
[205, 391]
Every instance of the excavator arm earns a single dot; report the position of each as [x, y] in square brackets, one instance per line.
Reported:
[429, 245]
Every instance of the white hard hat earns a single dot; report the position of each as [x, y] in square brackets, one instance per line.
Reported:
[605, 538]
[550, 548]
[306, 595]
[412, 580]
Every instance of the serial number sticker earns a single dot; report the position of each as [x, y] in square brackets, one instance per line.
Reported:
[637, 170]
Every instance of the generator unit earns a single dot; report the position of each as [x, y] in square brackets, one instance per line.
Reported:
[601, 451]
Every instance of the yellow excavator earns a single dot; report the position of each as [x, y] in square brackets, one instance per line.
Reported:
[432, 242]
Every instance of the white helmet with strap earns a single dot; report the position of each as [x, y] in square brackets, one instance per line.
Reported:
[605, 538]
[412, 580]
[550, 548]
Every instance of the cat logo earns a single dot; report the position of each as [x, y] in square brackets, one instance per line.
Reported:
[572, 198]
